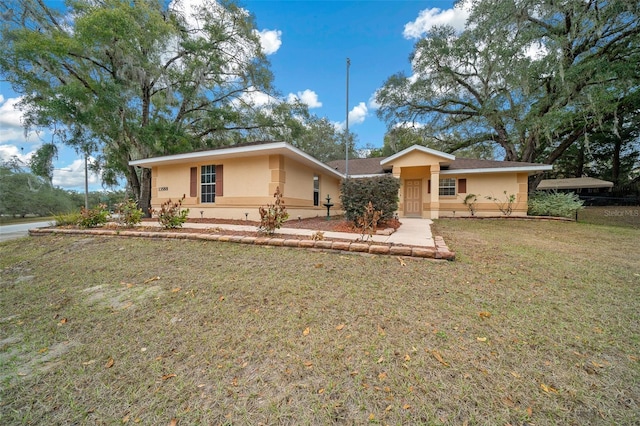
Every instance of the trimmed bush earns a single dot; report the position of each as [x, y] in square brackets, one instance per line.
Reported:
[93, 218]
[557, 204]
[381, 191]
[128, 213]
[171, 214]
[65, 219]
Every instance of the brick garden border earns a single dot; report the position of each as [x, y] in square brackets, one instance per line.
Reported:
[440, 251]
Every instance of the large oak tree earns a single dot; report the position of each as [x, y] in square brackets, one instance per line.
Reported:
[128, 80]
[530, 77]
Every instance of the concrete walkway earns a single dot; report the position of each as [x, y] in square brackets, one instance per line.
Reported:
[413, 232]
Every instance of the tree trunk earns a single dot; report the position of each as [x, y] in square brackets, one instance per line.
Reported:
[615, 167]
[580, 166]
[145, 191]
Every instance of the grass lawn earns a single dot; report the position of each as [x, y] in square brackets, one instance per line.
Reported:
[535, 322]
[628, 216]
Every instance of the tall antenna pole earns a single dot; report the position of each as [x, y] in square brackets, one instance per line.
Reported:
[346, 142]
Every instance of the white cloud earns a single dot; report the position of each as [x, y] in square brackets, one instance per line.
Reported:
[455, 17]
[72, 176]
[357, 115]
[10, 116]
[10, 134]
[308, 97]
[373, 103]
[254, 98]
[8, 151]
[270, 40]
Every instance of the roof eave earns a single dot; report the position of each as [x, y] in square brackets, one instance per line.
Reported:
[424, 149]
[532, 170]
[234, 152]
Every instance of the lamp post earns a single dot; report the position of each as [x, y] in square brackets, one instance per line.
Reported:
[346, 140]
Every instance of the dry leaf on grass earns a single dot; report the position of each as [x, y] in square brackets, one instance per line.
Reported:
[63, 321]
[481, 339]
[484, 314]
[173, 422]
[168, 376]
[340, 327]
[147, 281]
[372, 417]
[402, 262]
[109, 363]
[306, 331]
[175, 290]
[438, 357]
[548, 389]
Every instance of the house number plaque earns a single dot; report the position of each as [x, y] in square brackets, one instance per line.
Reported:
[163, 188]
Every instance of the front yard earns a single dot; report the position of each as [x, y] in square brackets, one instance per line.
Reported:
[535, 322]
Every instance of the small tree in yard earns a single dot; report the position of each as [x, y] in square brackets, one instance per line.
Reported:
[506, 205]
[273, 216]
[368, 222]
[171, 214]
[470, 201]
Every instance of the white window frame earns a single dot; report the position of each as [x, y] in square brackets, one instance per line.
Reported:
[447, 187]
[208, 184]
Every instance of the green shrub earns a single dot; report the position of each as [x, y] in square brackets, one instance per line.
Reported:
[558, 204]
[506, 205]
[470, 201]
[128, 213]
[381, 191]
[91, 218]
[273, 216]
[66, 219]
[171, 215]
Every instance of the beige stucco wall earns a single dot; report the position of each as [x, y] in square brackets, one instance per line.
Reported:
[426, 167]
[247, 184]
[482, 185]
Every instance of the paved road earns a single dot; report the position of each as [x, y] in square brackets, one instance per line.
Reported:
[9, 232]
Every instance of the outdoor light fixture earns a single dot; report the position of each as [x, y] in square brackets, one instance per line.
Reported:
[246, 216]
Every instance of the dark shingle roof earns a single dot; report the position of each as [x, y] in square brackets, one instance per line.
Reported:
[473, 163]
[371, 166]
[359, 166]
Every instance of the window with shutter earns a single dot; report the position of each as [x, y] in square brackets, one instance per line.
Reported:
[208, 184]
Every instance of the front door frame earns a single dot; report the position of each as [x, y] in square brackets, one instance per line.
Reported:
[410, 200]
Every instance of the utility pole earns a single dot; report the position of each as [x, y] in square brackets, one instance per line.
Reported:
[346, 142]
[86, 182]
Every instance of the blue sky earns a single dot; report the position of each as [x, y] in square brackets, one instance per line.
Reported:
[307, 43]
